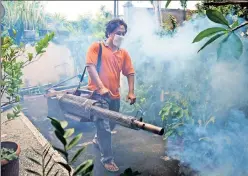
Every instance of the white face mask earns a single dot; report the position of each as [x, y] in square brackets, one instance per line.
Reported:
[118, 40]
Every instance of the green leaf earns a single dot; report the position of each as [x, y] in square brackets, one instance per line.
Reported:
[74, 141]
[180, 114]
[30, 56]
[33, 172]
[60, 137]
[63, 124]
[61, 151]
[84, 168]
[34, 160]
[217, 17]
[221, 47]
[2, 83]
[77, 154]
[208, 32]
[175, 109]
[68, 132]
[14, 32]
[12, 156]
[168, 133]
[43, 43]
[235, 24]
[238, 47]
[227, 49]
[211, 40]
[186, 114]
[56, 124]
[167, 3]
[10, 116]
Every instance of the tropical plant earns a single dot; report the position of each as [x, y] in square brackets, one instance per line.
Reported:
[32, 14]
[175, 113]
[228, 31]
[12, 13]
[59, 20]
[12, 66]
[183, 5]
[170, 23]
[63, 133]
[29, 12]
[43, 162]
[143, 105]
[98, 24]
[8, 154]
[85, 168]
[182, 2]
[225, 7]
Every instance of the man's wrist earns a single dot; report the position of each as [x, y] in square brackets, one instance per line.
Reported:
[131, 91]
[100, 86]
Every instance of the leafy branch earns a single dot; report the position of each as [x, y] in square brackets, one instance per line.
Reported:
[217, 32]
[85, 168]
[240, 26]
[175, 113]
[12, 66]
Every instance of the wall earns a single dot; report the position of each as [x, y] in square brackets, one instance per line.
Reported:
[54, 63]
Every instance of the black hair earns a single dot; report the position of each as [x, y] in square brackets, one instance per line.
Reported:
[113, 24]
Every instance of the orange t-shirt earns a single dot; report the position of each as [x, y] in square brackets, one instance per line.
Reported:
[112, 64]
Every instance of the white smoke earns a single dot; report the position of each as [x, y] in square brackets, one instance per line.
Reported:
[221, 82]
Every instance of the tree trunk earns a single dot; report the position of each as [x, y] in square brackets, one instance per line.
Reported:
[233, 2]
[117, 8]
[157, 11]
[114, 8]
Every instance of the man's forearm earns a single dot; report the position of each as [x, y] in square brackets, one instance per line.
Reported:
[94, 76]
[130, 79]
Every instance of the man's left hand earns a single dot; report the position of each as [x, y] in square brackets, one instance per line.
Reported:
[131, 97]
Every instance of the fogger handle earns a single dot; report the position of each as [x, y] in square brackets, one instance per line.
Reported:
[149, 127]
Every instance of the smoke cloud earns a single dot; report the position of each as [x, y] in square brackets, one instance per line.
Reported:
[215, 144]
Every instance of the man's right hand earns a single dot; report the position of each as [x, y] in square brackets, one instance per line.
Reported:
[103, 91]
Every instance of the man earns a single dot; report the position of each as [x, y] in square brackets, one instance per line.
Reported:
[106, 83]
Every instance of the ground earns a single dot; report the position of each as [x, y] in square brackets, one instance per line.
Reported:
[22, 131]
[139, 150]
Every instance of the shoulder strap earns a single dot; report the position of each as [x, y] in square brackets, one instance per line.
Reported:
[99, 59]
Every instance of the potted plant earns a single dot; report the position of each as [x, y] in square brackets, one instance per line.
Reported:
[11, 80]
[10, 152]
